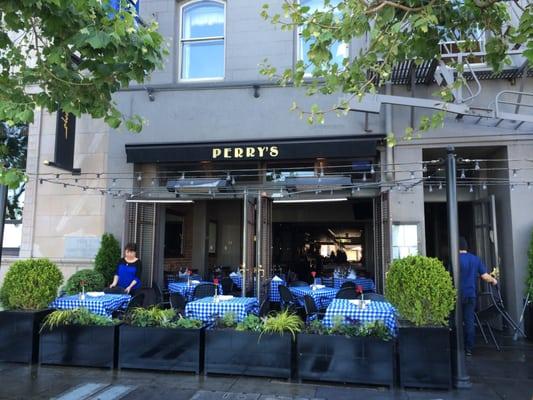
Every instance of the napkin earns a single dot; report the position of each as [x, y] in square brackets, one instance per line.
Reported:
[233, 274]
[223, 297]
[95, 294]
[277, 279]
[352, 275]
[195, 282]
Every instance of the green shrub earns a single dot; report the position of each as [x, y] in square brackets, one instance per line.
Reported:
[530, 269]
[161, 318]
[229, 320]
[282, 322]
[107, 258]
[351, 328]
[77, 316]
[30, 284]
[421, 289]
[250, 323]
[92, 281]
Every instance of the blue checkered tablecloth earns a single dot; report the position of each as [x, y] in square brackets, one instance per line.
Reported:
[237, 280]
[274, 292]
[367, 283]
[101, 305]
[376, 310]
[187, 290]
[207, 309]
[322, 297]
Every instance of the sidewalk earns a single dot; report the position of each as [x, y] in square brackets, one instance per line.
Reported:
[495, 375]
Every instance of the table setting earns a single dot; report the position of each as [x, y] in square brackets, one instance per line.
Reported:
[186, 289]
[208, 309]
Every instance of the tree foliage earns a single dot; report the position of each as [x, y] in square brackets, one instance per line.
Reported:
[73, 55]
[13, 150]
[107, 257]
[390, 32]
[91, 280]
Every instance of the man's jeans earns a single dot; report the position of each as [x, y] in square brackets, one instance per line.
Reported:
[469, 308]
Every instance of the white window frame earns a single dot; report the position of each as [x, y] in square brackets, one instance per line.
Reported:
[399, 224]
[181, 41]
[299, 48]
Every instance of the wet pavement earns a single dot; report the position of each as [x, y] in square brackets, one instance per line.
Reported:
[505, 374]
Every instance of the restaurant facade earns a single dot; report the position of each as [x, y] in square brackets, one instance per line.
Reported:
[225, 175]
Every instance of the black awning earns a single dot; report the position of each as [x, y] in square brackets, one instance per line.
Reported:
[363, 146]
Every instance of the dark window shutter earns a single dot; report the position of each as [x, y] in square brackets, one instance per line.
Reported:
[65, 139]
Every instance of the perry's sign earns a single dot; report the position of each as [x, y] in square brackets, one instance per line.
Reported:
[247, 152]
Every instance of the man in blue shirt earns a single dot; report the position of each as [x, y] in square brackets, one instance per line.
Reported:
[471, 269]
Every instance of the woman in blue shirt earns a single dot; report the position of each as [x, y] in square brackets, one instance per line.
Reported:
[129, 270]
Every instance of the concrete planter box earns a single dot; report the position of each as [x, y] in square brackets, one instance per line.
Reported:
[248, 353]
[333, 358]
[19, 335]
[80, 346]
[161, 349]
[425, 357]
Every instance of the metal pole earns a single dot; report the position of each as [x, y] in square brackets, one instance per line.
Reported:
[3, 204]
[244, 242]
[258, 242]
[460, 375]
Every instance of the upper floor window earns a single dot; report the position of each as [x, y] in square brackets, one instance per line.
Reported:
[339, 50]
[202, 40]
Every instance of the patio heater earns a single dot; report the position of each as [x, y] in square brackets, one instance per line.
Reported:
[460, 375]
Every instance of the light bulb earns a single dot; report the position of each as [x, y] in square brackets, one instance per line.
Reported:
[463, 175]
[484, 187]
[476, 166]
[430, 188]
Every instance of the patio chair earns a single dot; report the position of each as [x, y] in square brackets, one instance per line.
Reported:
[177, 302]
[196, 277]
[348, 284]
[227, 285]
[288, 301]
[485, 317]
[375, 297]
[311, 310]
[298, 284]
[264, 309]
[204, 290]
[161, 296]
[347, 293]
[135, 302]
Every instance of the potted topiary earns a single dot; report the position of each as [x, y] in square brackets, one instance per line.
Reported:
[107, 257]
[29, 286]
[254, 347]
[528, 316]
[87, 280]
[347, 353]
[78, 337]
[421, 290]
[159, 339]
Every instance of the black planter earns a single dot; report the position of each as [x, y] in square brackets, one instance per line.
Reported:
[161, 349]
[80, 346]
[335, 358]
[19, 335]
[425, 357]
[248, 353]
[528, 322]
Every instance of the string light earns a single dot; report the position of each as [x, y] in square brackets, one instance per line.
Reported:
[440, 185]
[412, 175]
[512, 188]
[484, 187]
[463, 175]
[529, 185]
[372, 170]
[471, 189]
[514, 173]
[139, 178]
[430, 188]
[476, 166]
[364, 177]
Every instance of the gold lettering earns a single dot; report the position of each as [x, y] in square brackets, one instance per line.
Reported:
[250, 152]
[238, 152]
[216, 152]
[227, 152]
[274, 151]
[261, 151]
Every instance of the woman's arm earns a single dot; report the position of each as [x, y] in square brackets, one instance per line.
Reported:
[132, 284]
[115, 281]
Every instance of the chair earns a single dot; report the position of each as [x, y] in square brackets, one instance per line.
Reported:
[227, 285]
[298, 284]
[288, 301]
[264, 309]
[114, 290]
[348, 284]
[177, 302]
[196, 277]
[161, 296]
[204, 290]
[311, 309]
[135, 302]
[374, 297]
[485, 317]
[347, 293]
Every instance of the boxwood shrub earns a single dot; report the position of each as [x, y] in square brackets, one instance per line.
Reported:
[30, 284]
[92, 281]
[421, 289]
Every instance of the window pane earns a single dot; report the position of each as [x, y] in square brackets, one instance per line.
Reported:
[203, 60]
[203, 20]
[339, 51]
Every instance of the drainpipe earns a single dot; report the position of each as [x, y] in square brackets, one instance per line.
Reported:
[389, 155]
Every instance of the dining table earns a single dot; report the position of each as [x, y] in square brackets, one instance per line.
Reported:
[100, 304]
[347, 311]
[186, 289]
[367, 284]
[208, 309]
[322, 295]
